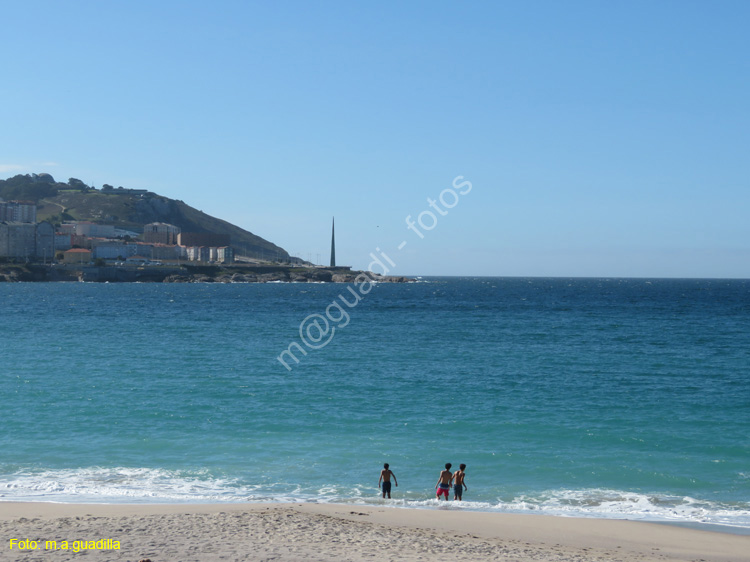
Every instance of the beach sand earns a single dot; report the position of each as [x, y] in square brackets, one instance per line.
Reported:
[285, 532]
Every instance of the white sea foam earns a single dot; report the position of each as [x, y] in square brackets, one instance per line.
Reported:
[150, 485]
[120, 485]
[616, 504]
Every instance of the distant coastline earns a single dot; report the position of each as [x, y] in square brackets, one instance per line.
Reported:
[239, 273]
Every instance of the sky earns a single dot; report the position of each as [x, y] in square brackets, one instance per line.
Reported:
[597, 138]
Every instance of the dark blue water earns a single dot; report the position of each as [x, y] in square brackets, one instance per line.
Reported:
[603, 397]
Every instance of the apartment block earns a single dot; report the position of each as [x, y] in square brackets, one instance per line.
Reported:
[18, 211]
[161, 233]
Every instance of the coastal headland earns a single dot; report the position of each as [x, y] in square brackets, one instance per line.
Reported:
[290, 532]
[186, 273]
[54, 231]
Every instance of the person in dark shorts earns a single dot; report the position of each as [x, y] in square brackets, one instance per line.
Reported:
[459, 483]
[385, 478]
[443, 485]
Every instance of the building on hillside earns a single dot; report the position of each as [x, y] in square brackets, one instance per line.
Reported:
[68, 228]
[77, 256]
[17, 240]
[199, 253]
[25, 240]
[209, 254]
[145, 250]
[203, 239]
[93, 230]
[225, 254]
[81, 241]
[122, 233]
[18, 211]
[62, 241]
[165, 252]
[45, 241]
[122, 190]
[161, 233]
[115, 251]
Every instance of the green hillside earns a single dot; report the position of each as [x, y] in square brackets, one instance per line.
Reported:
[127, 209]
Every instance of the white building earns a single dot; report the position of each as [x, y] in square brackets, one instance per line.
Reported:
[225, 254]
[93, 230]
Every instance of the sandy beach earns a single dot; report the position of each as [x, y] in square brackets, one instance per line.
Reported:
[284, 532]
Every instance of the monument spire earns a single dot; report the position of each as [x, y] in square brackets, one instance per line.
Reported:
[333, 242]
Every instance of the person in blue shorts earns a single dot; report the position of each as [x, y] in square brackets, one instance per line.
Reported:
[459, 483]
[385, 478]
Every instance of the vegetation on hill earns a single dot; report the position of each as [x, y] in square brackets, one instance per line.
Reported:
[31, 188]
[126, 209]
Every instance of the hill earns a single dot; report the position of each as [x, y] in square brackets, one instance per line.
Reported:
[128, 209]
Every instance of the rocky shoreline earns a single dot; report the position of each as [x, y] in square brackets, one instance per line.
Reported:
[190, 274]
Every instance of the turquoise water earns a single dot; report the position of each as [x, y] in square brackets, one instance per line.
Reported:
[593, 397]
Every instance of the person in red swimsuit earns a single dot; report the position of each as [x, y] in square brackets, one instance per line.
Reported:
[443, 485]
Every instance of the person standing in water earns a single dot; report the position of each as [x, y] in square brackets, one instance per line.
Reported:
[385, 478]
[443, 485]
[459, 483]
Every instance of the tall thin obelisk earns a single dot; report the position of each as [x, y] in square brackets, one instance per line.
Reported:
[333, 242]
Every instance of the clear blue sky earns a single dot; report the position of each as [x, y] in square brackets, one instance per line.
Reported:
[600, 138]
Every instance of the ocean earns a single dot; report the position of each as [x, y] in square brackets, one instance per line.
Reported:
[620, 398]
